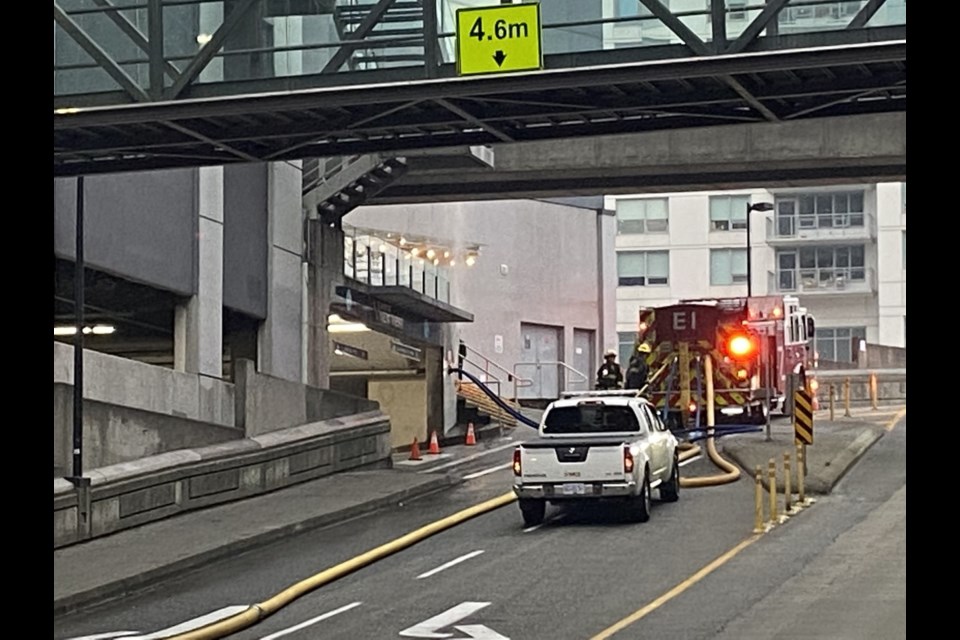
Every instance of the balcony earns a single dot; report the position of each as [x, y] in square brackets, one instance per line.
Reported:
[821, 228]
[827, 281]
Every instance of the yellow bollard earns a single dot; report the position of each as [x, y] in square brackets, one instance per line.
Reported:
[801, 470]
[831, 402]
[786, 484]
[758, 512]
[772, 473]
[846, 397]
[873, 391]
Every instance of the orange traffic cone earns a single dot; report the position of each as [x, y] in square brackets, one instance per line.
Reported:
[471, 436]
[434, 444]
[415, 450]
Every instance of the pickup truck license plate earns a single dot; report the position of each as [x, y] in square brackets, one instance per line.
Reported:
[574, 488]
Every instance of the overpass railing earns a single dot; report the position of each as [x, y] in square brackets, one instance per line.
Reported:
[163, 49]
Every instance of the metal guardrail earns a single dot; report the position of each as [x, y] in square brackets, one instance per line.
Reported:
[567, 370]
[485, 365]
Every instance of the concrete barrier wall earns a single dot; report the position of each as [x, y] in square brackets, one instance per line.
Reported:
[114, 434]
[137, 385]
[133, 493]
[266, 403]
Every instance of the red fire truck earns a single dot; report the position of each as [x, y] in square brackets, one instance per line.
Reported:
[755, 344]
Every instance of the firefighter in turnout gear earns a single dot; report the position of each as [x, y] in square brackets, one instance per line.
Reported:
[609, 376]
[638, 370]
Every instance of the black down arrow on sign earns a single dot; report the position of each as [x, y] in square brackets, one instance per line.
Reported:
[499, 56]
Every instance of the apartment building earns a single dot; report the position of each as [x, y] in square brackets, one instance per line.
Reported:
[841, 250]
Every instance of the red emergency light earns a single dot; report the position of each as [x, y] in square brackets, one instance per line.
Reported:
[741, 346]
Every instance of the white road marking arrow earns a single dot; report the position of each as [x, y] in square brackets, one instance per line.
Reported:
[431, 627]
[480, 632]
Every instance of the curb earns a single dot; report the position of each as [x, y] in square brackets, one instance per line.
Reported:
[845, 460]
[126, 586]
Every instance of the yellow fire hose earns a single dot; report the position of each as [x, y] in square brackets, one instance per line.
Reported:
[732, 471]
[268, 607]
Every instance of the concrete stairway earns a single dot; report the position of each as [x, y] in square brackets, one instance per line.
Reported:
[473, 396]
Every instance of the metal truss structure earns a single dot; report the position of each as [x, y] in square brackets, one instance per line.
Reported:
[366, 99]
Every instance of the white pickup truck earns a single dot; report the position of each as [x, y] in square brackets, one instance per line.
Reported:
[602, 445]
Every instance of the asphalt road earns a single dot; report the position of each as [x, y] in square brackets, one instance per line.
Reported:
[836, 570]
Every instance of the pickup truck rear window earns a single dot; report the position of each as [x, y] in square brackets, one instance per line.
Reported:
[591, 419]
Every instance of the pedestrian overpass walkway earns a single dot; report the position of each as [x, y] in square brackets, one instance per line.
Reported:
[148, 84]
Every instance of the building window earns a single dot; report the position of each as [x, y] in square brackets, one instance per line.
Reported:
[728, 266]
[819, 211]
[820, 267]
[647, 215]
[633, 8]
[728, 212]
[643, 268]
[736, 8]
[903, 243]
[626, 341]
[838, 344]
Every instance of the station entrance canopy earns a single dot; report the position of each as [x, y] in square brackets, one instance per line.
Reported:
[150, 84]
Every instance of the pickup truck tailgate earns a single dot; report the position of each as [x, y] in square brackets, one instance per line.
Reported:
[559, 460]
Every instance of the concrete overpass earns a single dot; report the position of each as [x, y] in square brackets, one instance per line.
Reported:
[839, 150]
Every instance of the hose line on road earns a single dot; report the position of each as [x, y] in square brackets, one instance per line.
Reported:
[258, 612]
[732, 471]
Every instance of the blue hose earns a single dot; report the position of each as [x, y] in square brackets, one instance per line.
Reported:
[692, 435]
[497, 400]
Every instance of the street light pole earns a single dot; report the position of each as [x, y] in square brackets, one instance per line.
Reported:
[755, 206]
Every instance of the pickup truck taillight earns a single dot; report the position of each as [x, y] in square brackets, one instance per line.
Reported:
[516, 462]
[627, 460]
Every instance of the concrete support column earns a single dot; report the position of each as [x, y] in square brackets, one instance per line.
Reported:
[198, 325]
[325, 272]
[279, 342]
[437, 416]
[607, 285]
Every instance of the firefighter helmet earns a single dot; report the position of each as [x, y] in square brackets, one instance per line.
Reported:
[610, 353]
[644, 348]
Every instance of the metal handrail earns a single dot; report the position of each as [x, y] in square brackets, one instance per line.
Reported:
[488, 363]
[488, 379]
[566, 379]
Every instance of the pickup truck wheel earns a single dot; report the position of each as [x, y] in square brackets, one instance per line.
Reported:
[670, 490]
[533, 511]
[640, 504]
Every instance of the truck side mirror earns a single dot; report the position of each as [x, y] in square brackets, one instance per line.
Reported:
[810, 327]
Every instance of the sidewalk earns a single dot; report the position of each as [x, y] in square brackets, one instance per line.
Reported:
[837, 445]
[92, 572]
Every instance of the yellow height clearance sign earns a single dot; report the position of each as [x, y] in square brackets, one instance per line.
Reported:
[499, 39]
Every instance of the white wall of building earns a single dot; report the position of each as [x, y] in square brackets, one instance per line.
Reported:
[880, 309]
[892, 267]
[539, 263]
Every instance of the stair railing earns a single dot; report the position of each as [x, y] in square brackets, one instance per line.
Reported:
[561, 366]
[490, 368]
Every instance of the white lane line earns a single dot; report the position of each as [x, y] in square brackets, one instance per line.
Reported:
[453, 562]
[196, 623]
[106, 636]
[468, 458]
[307, 623]
[689, 460]
[558, 518]
[471, 476]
